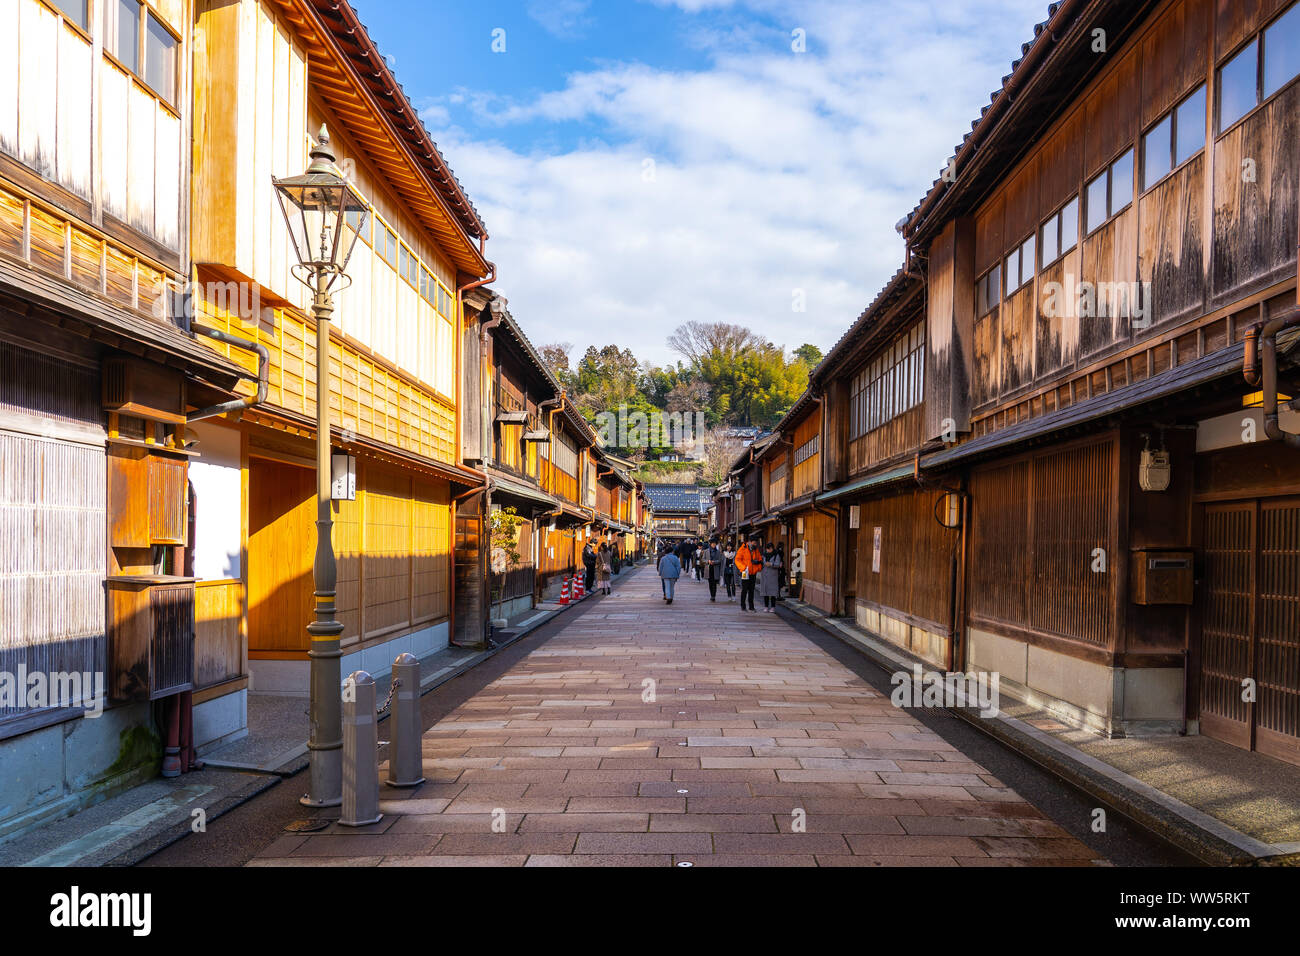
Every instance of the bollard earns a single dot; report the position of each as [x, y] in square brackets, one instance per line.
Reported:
[360, 752]
[405, 760]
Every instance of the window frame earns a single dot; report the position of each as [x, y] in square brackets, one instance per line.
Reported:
[1257, 40]
[145, 13]
[1109, 172]
[1174, 165]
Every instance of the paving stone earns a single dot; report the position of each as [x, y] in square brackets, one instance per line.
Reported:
[785, 757]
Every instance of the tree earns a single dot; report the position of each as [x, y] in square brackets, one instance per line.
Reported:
[697, 340]
[607, 377]
[810, 354]
[556, 358]
[719, 453]
[692, 396]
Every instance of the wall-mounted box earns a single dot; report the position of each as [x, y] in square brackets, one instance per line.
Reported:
[1161, 576]
[150, 636]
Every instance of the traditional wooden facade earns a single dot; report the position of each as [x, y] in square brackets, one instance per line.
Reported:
[513, 391]
[1117, 576]
[268, 75]
[678, 511]
[1042, 447]
[98, 372]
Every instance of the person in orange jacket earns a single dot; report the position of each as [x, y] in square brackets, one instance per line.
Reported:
[749, 561]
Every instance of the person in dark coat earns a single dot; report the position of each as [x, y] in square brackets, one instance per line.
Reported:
[589, 566]
[713, 564]
[684, 552]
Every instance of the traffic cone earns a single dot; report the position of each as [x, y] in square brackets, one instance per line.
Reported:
[579, 587]
[564, 593]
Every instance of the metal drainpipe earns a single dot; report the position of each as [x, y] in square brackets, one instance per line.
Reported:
[263, 374]
[1263, 339]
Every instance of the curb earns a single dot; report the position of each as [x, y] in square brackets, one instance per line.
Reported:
[178, 831]
[1193, 831]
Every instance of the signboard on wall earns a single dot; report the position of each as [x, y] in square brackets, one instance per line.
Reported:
[343, 477]
[875, 550]
[854, 516]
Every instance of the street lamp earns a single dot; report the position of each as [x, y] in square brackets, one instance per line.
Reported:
[325, 214]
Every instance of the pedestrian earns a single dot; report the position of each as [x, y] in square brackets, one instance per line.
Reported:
[749, 562]
[729, 570]
[684, 551]
[769, 579]
[699, 561]
[603, 568]
[670, 569]
[713, 561]
[589, 568]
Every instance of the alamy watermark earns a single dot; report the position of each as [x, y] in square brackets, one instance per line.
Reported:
[1072, 298]
[39, 690]
[919, 688]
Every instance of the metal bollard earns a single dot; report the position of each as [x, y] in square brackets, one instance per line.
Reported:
[405, 759]
[360, 752]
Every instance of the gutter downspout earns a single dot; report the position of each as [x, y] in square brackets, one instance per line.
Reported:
[263, 374]
[1264, 338]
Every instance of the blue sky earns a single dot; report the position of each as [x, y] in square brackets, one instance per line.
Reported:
[641, 163]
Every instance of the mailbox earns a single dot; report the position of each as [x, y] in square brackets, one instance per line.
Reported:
[1161, 577]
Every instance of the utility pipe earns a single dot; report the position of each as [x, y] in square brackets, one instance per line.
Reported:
[1261, 343]
[263, 374]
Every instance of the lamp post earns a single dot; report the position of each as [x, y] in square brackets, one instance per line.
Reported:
[325, 214]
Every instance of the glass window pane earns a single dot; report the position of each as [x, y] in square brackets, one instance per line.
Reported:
[1013, 271]
[1048, 237]
[1190, 128]
[1069, 224]
[75, 10]
[1121, 182]
[1156, 152]
[1027, 260]
[1096, 211]
[160, 59]
[1237, 92]
[995, 287]
[122, 31]
[1282, 51]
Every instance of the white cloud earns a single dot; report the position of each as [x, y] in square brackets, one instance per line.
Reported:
[562, 18]
[774, 171]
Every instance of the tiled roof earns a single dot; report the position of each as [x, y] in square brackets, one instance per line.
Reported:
[678, 497]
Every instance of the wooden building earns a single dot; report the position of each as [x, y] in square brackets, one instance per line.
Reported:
[1045, 448]
[98, 373]
[514, 391]
[268, 74]
[679, 511]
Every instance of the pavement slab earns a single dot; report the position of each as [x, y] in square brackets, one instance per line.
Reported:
[646, 735]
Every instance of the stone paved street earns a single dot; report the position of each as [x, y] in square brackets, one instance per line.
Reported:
[751, 729]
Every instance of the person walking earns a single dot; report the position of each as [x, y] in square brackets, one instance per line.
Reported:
[589, 568]
[749, 562]
[729, 571]
[683, 551]
[670, 569]
[713, 562]
[769, 579]
[603, 568]
[700, 561]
